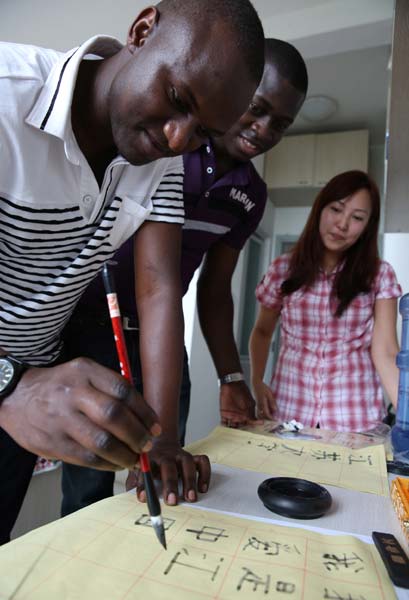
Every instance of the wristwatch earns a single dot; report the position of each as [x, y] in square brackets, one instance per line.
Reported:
[231, 378]
[11, 371]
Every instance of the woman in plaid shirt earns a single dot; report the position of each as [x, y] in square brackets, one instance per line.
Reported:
[337, 302]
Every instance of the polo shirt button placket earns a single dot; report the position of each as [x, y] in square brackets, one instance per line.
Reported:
[88, 203]
[87, 199]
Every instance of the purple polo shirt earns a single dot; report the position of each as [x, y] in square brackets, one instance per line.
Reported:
[226, 210]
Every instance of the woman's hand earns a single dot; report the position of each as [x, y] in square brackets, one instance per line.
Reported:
[266, 403]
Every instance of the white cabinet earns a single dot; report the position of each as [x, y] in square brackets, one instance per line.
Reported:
[338, 152]
[312, 160]
[291, 162]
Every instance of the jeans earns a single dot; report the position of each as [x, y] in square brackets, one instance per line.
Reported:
[93, 338]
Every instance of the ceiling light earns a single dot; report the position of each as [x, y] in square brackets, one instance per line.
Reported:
[318, 108]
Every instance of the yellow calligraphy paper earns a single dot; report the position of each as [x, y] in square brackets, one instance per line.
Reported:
[109, 551]
[361, 469]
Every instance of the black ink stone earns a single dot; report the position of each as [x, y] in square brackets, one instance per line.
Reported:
[294, 498]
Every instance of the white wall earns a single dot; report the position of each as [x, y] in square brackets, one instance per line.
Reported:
[376, 164]
[395, 251]
[189, 312]
[204, 411]
[289, 220]
[63, 24]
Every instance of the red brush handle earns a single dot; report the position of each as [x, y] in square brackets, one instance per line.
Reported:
[121, 348]
[114, 313]
[123, 357]
[145, 464]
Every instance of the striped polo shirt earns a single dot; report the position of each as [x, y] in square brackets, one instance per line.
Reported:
[57, 226]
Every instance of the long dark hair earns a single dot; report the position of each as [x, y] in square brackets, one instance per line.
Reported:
[361, 260]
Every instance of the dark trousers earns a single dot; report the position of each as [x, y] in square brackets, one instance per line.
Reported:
[16, 468]
[93, 338]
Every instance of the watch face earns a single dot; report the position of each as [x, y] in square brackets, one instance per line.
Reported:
[6, 373]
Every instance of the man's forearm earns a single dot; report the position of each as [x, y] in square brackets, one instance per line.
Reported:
[216, 320]
[161, 349]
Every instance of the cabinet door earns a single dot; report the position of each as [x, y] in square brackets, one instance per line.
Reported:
[338, 152]
[291, 162]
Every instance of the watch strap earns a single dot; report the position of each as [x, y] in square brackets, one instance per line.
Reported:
[19, 367]
[231, 378]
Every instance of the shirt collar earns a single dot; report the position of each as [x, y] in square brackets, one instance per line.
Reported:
[338, 267]
[51, 111]
[239, 175]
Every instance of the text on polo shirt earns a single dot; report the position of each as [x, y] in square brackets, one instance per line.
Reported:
[242, 198]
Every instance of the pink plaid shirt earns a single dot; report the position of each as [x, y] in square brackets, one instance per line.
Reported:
[324, 373]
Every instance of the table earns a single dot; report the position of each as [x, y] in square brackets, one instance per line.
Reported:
[235, 490]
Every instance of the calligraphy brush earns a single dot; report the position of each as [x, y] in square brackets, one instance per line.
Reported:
[115, 315]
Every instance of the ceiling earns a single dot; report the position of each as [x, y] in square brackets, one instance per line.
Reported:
[358, 81]
[347, 45]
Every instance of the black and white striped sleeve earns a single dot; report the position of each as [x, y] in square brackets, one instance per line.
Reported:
[167, 200]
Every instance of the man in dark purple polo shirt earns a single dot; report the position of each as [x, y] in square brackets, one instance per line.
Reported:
[224, 203]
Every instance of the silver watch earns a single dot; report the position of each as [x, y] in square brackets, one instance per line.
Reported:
[11, 371]
[231, 378]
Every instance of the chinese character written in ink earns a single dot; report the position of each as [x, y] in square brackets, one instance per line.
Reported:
[270, 548]
[268, 447]
[360, 459]
[256, 582]
[324, 455]
[294, 451]
[336, 596]
[285, 587]
[332, 561]
[183, 555]
[145, 521]
[208, 534]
